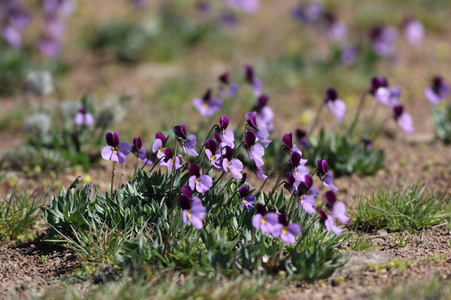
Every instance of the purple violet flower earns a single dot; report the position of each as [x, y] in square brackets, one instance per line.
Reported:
[298, 166]
[388, 96]
[232, 164]
[192, 207]
[348, 54]
[169, 160]
[207, 106]
[116, 150]
[437, 91]
[286, 231]
[325, 175]
[140, 151]
[83, 118]
[214, 158]
[414, 31]
[307, 193]
[49, 47]
[248, 6]
[200, 183]
[264, 221]
[261, 132]
[253, 81]
[403, 120]
[265, 115]
[188, 142]
[245, 196]
[336, 106]
[329, 223]
[376, 83]
[383, 40]
[159, 143]
[255, 151]
[338, 209]
[13, 19]
[227, 137]
[337, 31]
[308, 12]
[301, 136]
[226, 88]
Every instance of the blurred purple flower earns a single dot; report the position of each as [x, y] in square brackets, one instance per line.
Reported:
[207, 106]
[437, 91]
[383, 40]
[336, 30]
[336, 106]
[308, 12]
[140, 151]
[265, 114]
[307, 193]
[388, 96]
[299, 170]
[260, 131]
[414, 31]
[226, 88]
[301, 136]
[348, 54]
[329, 223]
[13, 19]
[248, 6]
[83, 118]
[253, 81]
[403, 120]
[116, 150]
[49, 47]
[139, 4]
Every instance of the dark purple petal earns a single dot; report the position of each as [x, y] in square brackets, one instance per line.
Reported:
[168, 153]
[377, 82]
[116, 139]
[290, 178]
[194, 170]
[223, 122]
[183, 129]
[244, 191]
[217, 137]
[287, 140]
[161, 136]
[187, 191]
[330, 198]
[283, 219]
[250, 138]
[206, 98]
[261, 209]
[397, 111]
[248, 73]
[251, 118]
[224, 78]
[137, 143]
[322, 215]
[322, 166]
[184, 202]
[211, 145]
[331, 94]
[109, 138]
[178, 132]
[295, 159]
[227, 152]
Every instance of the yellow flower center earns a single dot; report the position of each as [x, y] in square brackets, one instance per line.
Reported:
[189, 213]
[244, 200]
[263, 220]
[212, 158]
[285, 230]
[228, 164]
[206, 104]
[115, 149]
[197, 180]
[160, 149]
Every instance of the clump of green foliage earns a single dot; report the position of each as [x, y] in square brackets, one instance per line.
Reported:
[412, 208]
[344, 154]
[442, 120]
[137, 227]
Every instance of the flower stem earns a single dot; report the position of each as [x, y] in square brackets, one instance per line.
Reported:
[359, 111]
[304, 234]
[112, 179]
[277, 182]
[122, 173]
[318, 114]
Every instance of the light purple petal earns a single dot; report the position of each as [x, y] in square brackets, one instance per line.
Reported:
[228, 138]
[125, 148]
[307, 203]
[327, 181]
[329, 223]
[205, 183]
[12, 36]
[337, 108]
[256, 221]
[107, 152]
[190, 143]
[157, 145]
[405, 123]
[339, 212]
[432, 96]
[276, 230]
